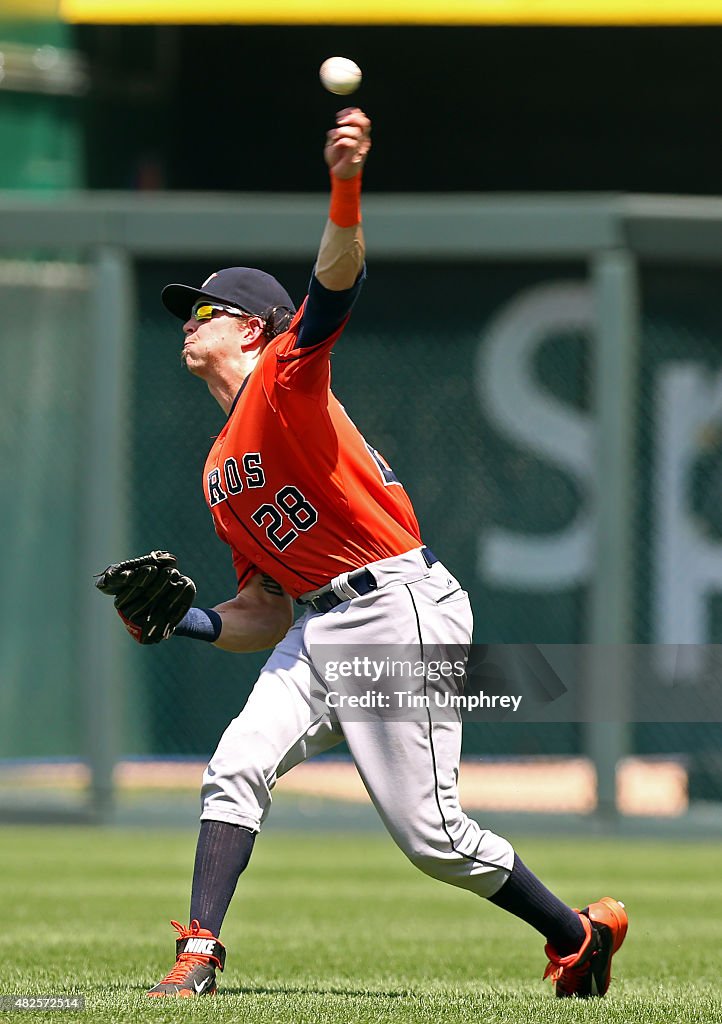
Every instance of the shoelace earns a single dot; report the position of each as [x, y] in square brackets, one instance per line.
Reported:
[193, 928]
[568, 975]
[567, 971]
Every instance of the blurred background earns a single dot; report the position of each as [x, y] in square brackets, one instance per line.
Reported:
[538, 353]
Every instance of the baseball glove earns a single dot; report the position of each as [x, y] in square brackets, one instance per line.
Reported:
[151, 596]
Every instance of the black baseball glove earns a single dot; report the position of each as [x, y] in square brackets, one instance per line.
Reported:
[151, 596]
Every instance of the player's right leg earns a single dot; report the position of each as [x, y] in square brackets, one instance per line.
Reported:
[280, 726]
[410, 766]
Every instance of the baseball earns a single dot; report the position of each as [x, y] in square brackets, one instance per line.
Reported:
[340, 75]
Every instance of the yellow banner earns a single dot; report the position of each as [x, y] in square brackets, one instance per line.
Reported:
[395, 12]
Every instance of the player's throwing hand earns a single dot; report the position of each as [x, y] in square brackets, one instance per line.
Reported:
[348, 144]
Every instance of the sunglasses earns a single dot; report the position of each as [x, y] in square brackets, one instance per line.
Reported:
[204, 310]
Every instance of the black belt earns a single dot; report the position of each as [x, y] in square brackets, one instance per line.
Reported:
[362, 581]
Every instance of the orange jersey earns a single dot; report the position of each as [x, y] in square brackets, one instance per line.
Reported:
[292, 485]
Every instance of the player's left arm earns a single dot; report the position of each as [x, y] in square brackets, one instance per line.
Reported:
[339, 269]
[258, 617]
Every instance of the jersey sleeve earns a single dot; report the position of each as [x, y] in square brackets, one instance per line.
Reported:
[245, 569]
[302, 352]
[326, 310]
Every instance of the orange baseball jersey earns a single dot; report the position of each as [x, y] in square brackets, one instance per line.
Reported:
[293, 486]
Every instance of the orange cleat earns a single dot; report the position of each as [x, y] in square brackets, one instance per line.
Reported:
[198, 954]
[588, 971]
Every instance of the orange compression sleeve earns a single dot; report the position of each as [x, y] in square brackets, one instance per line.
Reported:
[345, 207]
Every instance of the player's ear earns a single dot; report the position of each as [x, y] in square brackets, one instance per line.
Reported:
[253, 334]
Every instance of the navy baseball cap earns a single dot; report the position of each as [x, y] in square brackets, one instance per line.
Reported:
[251, 290]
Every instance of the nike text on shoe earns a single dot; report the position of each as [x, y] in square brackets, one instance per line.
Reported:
[198, 955]
[588, 971]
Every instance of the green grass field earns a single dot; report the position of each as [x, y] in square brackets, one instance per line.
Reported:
[341, 929]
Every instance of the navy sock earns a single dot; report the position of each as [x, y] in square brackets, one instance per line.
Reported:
[524, 896]
[222, 853]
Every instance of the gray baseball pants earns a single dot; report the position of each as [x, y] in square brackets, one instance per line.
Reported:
[409, 767]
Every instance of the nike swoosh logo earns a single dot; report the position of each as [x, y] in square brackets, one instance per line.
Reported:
[199, 988]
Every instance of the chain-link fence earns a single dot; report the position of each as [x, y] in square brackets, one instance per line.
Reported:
[43, 396]
[677, 514]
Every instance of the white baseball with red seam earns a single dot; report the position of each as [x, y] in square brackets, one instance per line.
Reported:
[340, 75]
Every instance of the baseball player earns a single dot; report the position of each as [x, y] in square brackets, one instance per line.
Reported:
[312, 513]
